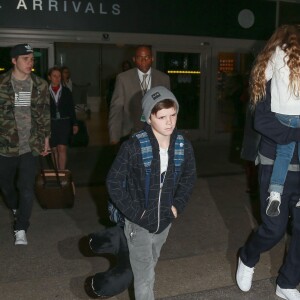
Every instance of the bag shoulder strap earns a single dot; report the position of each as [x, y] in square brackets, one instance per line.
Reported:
[146, 149]
[147, 156]
[178, 155]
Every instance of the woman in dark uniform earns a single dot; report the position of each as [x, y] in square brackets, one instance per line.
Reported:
[63, 117]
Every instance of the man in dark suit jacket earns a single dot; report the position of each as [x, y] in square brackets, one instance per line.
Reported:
[126, 104]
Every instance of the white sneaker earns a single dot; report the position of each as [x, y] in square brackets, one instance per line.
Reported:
[244, 276]
[273, 205]
[298, 204]
[288, 294]
[20, 237]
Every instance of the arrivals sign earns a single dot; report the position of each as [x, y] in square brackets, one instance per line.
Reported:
[61, 14]
[67, 6]
[217, 18]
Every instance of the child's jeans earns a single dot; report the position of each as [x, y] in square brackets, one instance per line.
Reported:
[144, 251]
[284, 154]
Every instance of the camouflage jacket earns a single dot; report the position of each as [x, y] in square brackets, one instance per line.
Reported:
[40, 116]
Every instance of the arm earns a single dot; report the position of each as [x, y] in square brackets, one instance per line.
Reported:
[267, 124]
[72, 113]
[116, 182]
[46, 147]
[186, 181]
[44, 120]
[116, 112]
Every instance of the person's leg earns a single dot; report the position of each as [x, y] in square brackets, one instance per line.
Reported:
[141, 260]
[25, 184]
[158, 242]
[270, 232]
[284, 155]
[144, 249]
[289, 273]
[62, 156]
[8, 167]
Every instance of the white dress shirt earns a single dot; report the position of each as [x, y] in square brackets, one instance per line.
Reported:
[148, 79]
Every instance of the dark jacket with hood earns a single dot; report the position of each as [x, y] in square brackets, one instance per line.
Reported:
[126, 183]
[272, 131]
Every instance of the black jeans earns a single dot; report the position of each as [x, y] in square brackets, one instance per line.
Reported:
[272, 229]
[17, 179]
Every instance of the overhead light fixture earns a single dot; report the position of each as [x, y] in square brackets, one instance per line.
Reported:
[183, 72]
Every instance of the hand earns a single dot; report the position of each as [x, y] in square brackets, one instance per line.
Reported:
[174, 211]
[75, 129]
[47, 149]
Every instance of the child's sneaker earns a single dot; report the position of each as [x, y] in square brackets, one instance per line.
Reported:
[273, 205]
[20, 237]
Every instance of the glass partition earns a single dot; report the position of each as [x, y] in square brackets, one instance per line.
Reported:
[185, 74]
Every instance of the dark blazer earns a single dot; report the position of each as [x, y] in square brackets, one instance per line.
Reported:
[126, 104]
[65, 106]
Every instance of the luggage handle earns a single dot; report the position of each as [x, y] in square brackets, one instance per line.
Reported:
[54, 164]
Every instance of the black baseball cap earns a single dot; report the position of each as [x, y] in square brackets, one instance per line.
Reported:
[20, 49]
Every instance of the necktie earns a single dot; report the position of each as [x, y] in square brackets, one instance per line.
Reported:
[144, 83]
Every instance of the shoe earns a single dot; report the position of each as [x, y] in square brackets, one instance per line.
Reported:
[20, 237]
[244, 276]
[288, 294]
[298, 204]
[273, 205]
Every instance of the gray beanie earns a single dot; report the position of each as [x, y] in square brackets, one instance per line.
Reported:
[154, 96]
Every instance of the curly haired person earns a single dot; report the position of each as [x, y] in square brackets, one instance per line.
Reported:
[274, 92]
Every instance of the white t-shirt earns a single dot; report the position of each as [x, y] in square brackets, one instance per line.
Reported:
[164, 157]
[22, 89]
[283, 100]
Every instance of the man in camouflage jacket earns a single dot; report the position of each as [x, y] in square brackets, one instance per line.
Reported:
[24, 134]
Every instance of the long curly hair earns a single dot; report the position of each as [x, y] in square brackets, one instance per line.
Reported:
[287, 37]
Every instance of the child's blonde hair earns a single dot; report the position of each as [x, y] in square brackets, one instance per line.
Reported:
[287, 37]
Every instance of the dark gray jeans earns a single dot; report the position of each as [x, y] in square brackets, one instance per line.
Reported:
[144, 251]
[17, 179]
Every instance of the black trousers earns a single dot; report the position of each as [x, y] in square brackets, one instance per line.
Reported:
[17, 179]
[272, 229]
